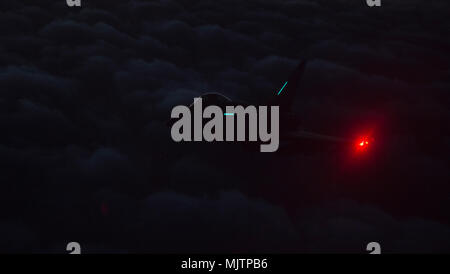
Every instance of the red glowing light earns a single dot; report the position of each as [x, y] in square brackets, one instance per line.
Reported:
[362, 143]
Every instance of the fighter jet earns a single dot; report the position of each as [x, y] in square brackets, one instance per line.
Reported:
[292, 135]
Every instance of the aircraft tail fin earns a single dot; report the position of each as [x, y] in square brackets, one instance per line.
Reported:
[286, 95]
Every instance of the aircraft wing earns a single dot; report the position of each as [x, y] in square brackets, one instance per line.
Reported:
[301, 134]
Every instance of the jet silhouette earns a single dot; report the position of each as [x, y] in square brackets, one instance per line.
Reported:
[292, 136]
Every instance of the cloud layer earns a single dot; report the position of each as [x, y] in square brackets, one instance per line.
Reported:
[86, 156]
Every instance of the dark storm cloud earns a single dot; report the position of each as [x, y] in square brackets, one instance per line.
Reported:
[85, 95]
[231, 222]
[138, 74]
[232, 218]
[105, 164]
[25, 81]
[16, 238]
[345, 226]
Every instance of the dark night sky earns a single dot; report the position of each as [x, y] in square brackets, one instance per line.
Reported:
[86, 156]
